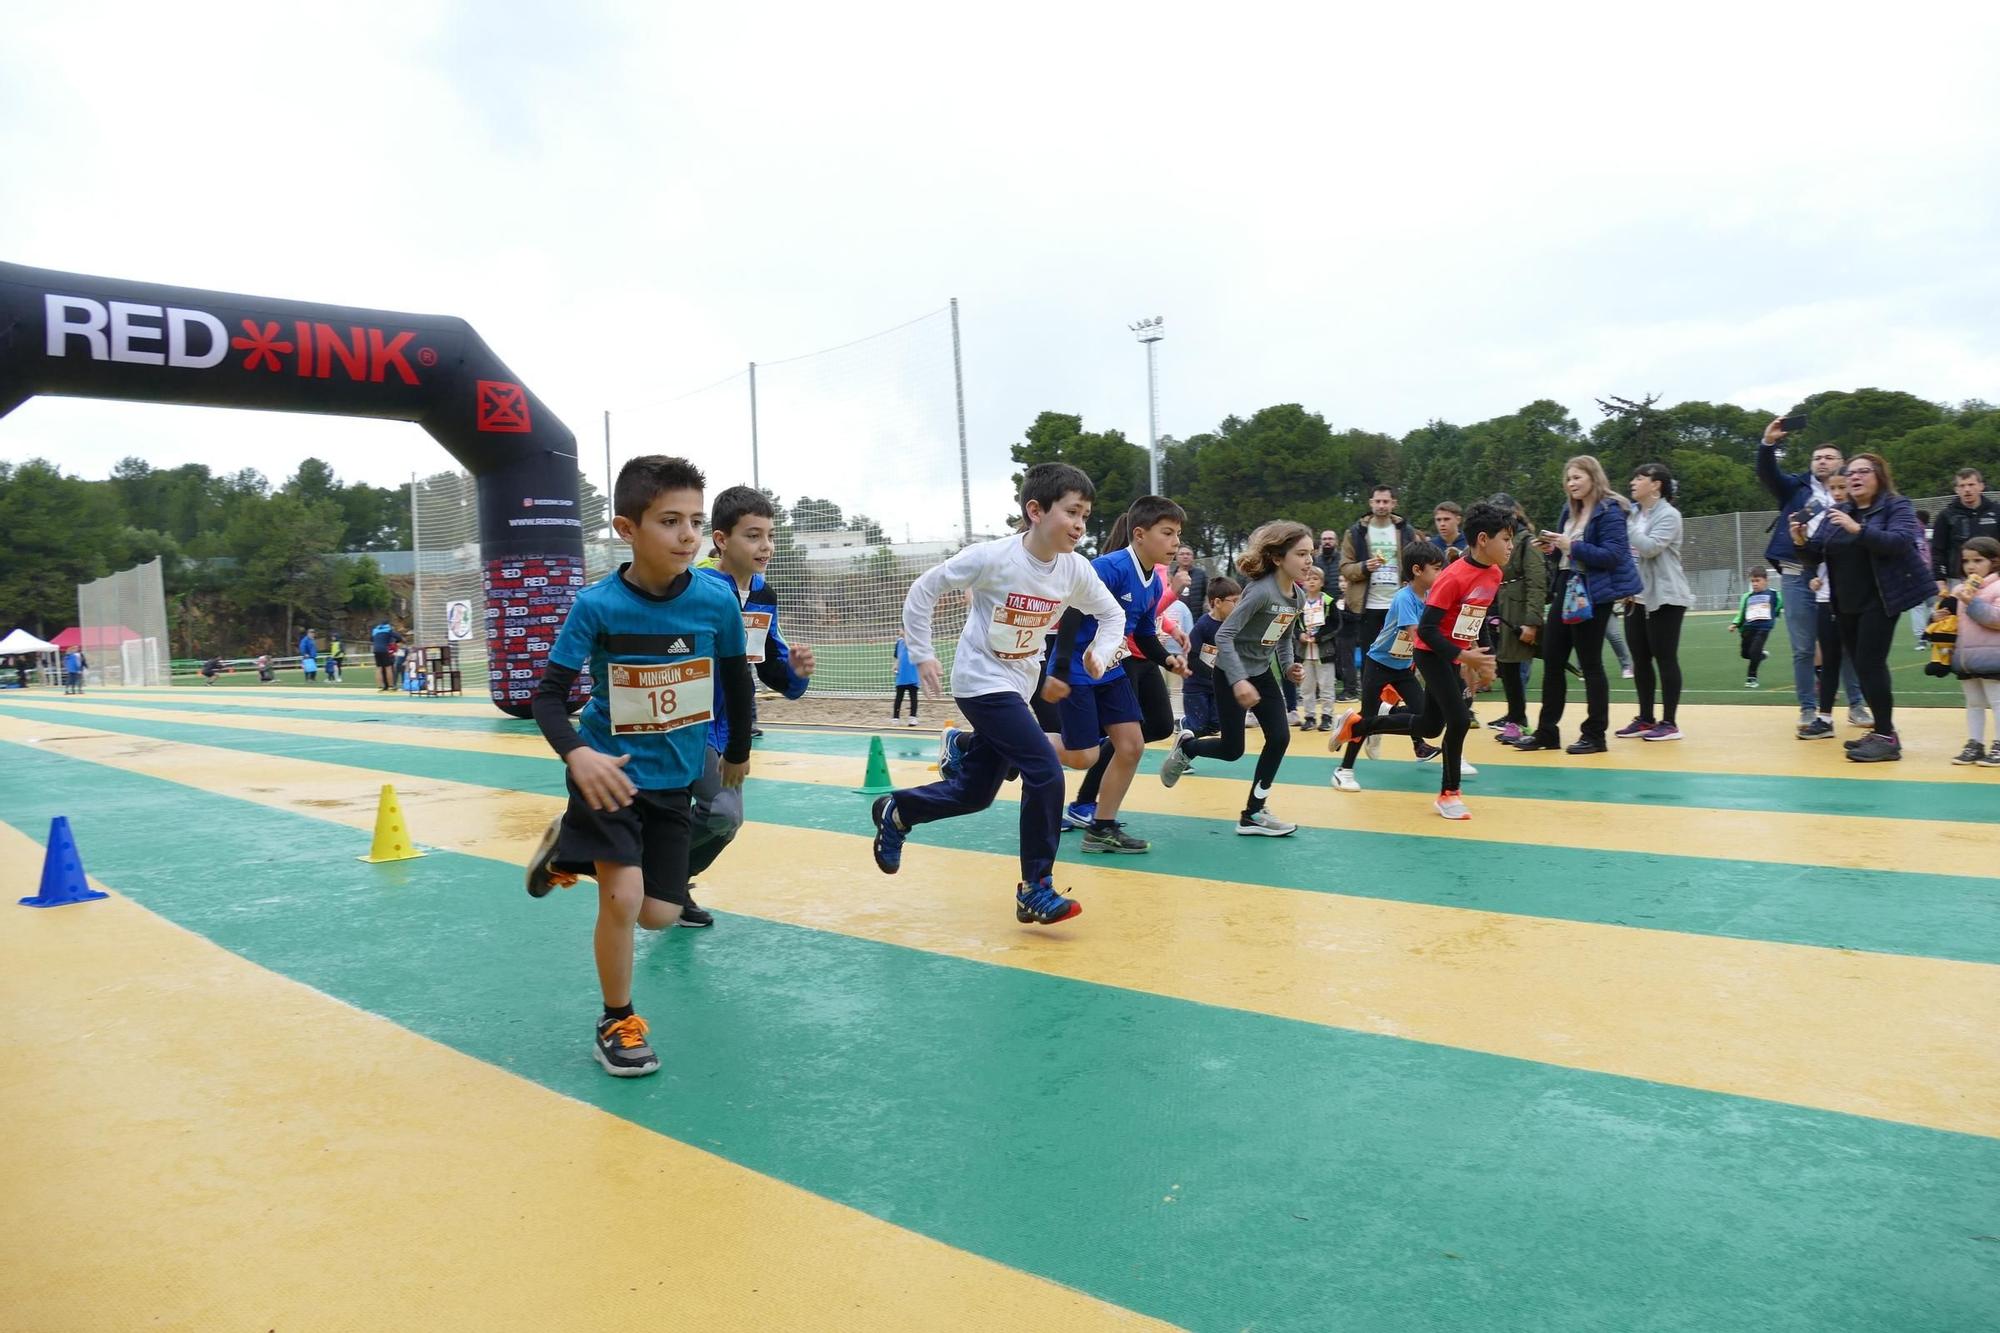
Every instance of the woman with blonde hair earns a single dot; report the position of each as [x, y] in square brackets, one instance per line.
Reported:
[1279, 554]
[1594, 572]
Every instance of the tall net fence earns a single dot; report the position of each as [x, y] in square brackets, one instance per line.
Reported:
[448, 598]
[122, 623]
[859, 447]
[1718, 551]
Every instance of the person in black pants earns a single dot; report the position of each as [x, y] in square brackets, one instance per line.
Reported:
[1654, 618]
[1596, 561]
[1875, 561]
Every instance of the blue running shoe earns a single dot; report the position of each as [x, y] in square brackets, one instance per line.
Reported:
[1042, 905]
[1077, 815]
[951, 746]
[889, 836]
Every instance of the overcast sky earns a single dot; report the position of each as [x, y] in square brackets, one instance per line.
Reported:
[1387, 216]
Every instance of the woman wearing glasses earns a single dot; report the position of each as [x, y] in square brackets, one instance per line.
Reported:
[1872, 549]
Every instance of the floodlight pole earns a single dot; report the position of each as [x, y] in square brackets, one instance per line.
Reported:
[958, 389]
[1149, 332]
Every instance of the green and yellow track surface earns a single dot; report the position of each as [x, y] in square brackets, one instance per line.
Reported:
[1694, 1036]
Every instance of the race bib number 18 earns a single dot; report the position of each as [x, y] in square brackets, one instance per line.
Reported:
[661, 698]
[1019, 625]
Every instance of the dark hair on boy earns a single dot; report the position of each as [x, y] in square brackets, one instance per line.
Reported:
[1759, 572]
[1486, 520]
[1045, 484]
[1150, 509]
[643, 479]
[1447, 507]
[1221, 588]
[1420, 555]
[736, 504]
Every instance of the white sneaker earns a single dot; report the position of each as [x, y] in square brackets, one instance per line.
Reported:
[1176, 763]
[1343, 780]
[1467, 769]
[1292, 717]
[1626, 672]
[911, 723]
[1264, 824]
[1452, 806]
[1372, 747]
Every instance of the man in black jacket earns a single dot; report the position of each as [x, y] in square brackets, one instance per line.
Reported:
[1970, 515]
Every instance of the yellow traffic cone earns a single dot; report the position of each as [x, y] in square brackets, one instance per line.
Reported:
[392, 836]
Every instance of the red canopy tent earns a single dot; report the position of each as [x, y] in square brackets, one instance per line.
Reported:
[93, 638]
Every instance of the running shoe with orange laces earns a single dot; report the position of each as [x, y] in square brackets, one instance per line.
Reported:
[622, 1049]
[1452, 806]
[542, 876]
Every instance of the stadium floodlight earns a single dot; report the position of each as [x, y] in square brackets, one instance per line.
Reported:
[1149, 332]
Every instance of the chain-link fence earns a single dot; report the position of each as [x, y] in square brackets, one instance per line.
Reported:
[122, 626]
[1719, 550]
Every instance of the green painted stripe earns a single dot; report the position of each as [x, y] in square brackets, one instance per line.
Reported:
[1217, 1169]
[1878, 911]
[1969, 801]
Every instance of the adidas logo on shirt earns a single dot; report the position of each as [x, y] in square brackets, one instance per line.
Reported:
[1125, 597]
[679, 646]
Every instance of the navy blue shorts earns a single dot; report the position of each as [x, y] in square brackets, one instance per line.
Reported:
[1091, 709]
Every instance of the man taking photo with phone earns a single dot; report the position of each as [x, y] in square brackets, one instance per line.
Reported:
[1802, 492]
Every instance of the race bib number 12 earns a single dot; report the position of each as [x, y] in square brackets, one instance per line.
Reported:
[1019, 625]
[661, 698]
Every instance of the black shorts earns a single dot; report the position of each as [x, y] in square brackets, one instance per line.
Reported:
[385, 659]
[653, 833]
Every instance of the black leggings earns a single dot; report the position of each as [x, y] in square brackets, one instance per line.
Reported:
[1373, 677]
[1270, 709]
[1514, 683]
[1655, 636]
[1866, 638]
[1156, 720]
[1586, 640]
[1445, 710]
[1826, 629]
[901, 690]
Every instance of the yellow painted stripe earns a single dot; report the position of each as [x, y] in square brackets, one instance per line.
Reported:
[1942, 847]
[194, 1142]
[1900, 1038]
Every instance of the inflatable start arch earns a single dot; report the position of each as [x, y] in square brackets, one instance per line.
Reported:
[82, 337]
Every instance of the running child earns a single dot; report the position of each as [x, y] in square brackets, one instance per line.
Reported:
[1198, 690]
[1017, 589]
[740, 532]
[1388, 671]
[1976, 656]
[1449, 657]
[1755, 615]
[657, 639]
[1257, 630]
[1103, 725]
[906, 684]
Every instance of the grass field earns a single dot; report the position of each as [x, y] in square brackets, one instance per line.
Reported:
[1713, 671]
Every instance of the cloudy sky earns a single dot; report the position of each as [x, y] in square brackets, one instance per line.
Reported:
[1441, 211]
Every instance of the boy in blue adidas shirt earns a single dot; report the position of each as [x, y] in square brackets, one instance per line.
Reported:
[740, 526]
[1101, 719]
[663, 646]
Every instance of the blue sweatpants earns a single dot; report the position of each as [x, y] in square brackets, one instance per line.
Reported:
[1005, 736]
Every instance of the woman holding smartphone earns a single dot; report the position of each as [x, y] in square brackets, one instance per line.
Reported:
[1654, 617]
[1596, 570]
[1874, 561]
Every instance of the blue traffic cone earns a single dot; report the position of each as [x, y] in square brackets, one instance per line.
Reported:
[62, 871]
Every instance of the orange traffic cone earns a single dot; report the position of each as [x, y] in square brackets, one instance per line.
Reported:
[392, 835]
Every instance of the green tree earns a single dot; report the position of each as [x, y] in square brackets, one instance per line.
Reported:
[1117, 467]
[1281, 462]
[362, 586]
[1860, 421]
[283, 548]
[1926, 461]
[60, 531]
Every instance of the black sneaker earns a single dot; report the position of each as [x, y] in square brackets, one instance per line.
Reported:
[1585, 745]
[1113, 838]
[541, 875]
[1971, 754]
[622, 1049]
[1818, 729]
[695, 917]
[1875, 748]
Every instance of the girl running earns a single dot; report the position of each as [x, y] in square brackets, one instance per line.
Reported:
[1280, 553]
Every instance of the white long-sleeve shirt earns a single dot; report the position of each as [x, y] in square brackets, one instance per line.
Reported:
[1016, 601]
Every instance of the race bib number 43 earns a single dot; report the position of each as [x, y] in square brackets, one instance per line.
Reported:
[661, 698]
[1019, 625]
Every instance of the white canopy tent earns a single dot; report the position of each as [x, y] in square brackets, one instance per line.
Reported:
[20, 641]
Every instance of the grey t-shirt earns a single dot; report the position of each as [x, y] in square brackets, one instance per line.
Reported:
[1261, 623]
